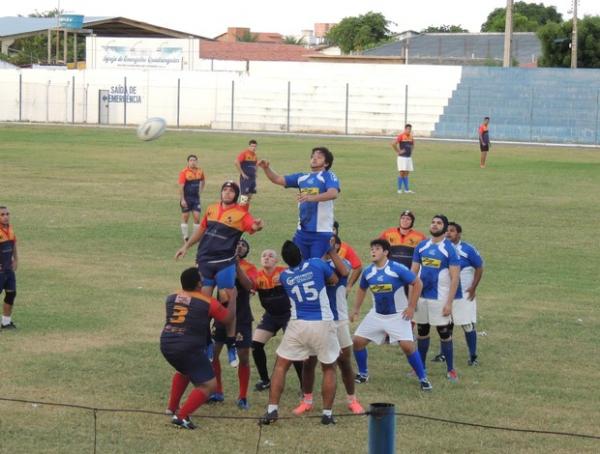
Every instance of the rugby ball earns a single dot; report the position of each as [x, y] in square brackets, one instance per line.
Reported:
[152, 128]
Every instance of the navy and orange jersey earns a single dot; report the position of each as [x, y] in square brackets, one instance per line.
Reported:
[407, 143]
[188, 317]
[271, 293]
[190, 179]
[8, 241]
[402, 246]
[484, 136]
[223, 228]
[243, 311]
[247, 160]
[347, 252]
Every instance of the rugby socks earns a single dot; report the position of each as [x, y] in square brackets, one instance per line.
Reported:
[328, 412]
[244, 379]
[414, 359]
[6, 320]
[178, 385]
[400, 183]
[216, 364]
[196, 227]
[298, 367]
[471, 338]
[196, 398]
[361, 361]
[260, 360]
[272, 407]
[447, 351]
[184, 230]
[423, 346]
[406, 183]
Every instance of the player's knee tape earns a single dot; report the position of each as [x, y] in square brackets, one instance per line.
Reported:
[445, 332]
[257, 345]
[423, 329]
[468, 327]
[9, 298]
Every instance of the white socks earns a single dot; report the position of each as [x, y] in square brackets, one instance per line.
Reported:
[184, 230]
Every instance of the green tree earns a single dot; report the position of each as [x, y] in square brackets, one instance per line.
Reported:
[293, 40]
[357, 33]
[527, 17]
[248, 37]
[556, 40]
[445, 29]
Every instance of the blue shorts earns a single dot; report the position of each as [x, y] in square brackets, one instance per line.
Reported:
[243, 334]
[273, 323]
[188, 360]
[221, 274]
[247, 185]
[312, 244]
[8, 281]
[192, 205]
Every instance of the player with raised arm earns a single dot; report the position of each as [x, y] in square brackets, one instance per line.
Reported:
[182, 343]
[339, 306]
[391, 314]
[191, 184]
[436, 260]
[8, 265]
[246, 275]
[318, 190]
[404, 145]
[276, 304]
[311, 330]
[220, 231]
[245, 163]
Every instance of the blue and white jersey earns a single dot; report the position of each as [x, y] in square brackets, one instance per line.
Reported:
[305, 286]
[469, 259]
[387, 286]
[314, 216]
[337, 294]
[435, 260]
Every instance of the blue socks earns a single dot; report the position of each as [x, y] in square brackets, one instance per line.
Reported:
[414, 359]
[471, 338]
[400, 179]
[423, 345]
[406, 183]
[447, 351]
[361, 361]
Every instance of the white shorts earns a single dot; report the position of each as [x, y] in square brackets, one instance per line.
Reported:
[404, 164]
[343, 333]
[464, 311]
[304, 338]
[430, 311]
[376, 327]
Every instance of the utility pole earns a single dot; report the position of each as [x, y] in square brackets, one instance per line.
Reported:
[508, 33]
[574, 37]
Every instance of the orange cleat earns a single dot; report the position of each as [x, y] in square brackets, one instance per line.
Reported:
[302, 408]
[355, 407]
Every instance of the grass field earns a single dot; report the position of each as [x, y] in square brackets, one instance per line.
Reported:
[97, 218]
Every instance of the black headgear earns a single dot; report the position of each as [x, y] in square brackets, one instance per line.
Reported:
[444, 220]
[410, 215]
[233, 185]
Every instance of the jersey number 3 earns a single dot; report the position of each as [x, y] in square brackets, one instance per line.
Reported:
[179, 313]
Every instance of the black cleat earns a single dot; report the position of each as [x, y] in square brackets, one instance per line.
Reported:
[183, 423]
[426, 385]
[269, 418]
[326, 420]
[359, 378]
[262, 385]
[10, 325]
[473, 361]
[439, 359]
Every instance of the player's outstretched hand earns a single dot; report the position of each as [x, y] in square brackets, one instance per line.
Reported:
[258, 224]
[263, 164]
[180, 253]
[408, 313]
[353, 316]
[471, 292]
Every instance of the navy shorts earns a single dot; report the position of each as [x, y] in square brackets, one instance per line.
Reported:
[8, 281]
[312, 244]
[247, 185]
[220, 274]
[273, 323]
[484, 147]
[188, 360]
[192, 205]
[243, 334]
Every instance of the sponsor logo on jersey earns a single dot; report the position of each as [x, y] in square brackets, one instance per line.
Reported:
[310, 191]
[381, 288]
[431, 262]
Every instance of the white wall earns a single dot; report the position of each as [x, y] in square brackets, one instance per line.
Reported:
[376, 95]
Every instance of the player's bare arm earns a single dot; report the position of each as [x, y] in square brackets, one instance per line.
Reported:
[454, 281]
[196, 236]
[476, 278]
[270, 173]
[416, 287]
[330, 194]
[257, 225]
[239, 169]
[358, 301]
[333, 279]
[15, 258]
[341, 268]
[181, 196]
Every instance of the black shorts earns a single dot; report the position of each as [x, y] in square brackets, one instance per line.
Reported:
[243, 334]
[273, 323]
[192, 205]
[248, 185]
[483, 147]
[188, 360]
[8, 281]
